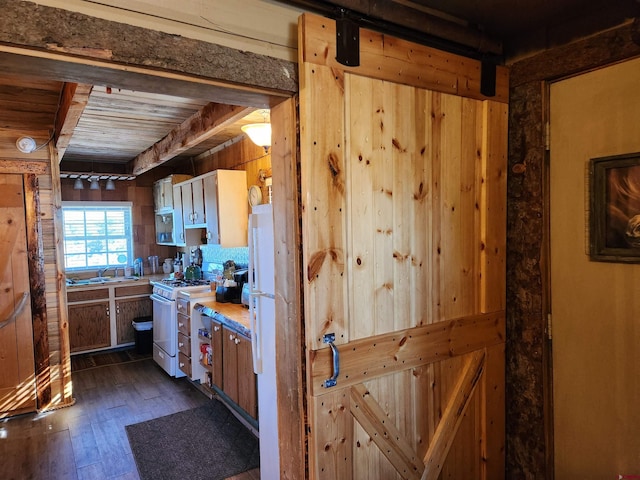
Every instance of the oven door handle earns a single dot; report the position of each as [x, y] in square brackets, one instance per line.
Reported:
[159, 299]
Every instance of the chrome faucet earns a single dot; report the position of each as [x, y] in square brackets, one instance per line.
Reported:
[102, 270]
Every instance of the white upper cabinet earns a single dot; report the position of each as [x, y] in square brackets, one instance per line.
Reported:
[226, 207]
[163, 192]
[217, 203]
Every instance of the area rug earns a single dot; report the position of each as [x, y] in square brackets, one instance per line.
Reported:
[102, 359]
[204, 443]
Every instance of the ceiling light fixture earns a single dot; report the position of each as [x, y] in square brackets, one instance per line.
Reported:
[259, 133]
[94, 184]
[110, 185]
[26, 144]
[78, 185]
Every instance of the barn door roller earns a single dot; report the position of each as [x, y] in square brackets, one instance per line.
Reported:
[488, 78]
[347, 40]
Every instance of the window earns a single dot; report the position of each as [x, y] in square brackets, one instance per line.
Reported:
[97, 235]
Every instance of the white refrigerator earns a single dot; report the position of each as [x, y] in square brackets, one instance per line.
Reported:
[263, 335]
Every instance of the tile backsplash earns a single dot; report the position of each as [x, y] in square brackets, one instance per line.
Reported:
[215, 254]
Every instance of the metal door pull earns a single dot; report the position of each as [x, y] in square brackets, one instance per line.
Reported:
[333, 381]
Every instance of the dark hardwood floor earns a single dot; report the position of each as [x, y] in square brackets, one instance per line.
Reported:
[88, 440]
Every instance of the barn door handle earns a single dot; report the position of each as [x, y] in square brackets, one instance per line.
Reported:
[333, 381]
[16, 312]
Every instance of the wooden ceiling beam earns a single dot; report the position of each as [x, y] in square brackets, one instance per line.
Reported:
[73, 101]
[205, 123]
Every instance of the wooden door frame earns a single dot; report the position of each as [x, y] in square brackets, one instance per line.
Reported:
[35, 250]
[284, 157]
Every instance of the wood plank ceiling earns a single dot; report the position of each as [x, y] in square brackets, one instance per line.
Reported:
[112, 126]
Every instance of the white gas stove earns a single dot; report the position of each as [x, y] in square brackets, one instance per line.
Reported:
[165, 320]
[169, 287]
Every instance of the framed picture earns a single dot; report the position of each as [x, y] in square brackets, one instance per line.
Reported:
[614, 208]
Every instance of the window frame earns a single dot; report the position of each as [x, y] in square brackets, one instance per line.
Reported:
[99, 205]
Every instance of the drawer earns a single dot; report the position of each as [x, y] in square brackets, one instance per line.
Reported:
[184, 324]
[85, 295]
[184, 344]
[184, 364]
[183, 306]
[131, 290]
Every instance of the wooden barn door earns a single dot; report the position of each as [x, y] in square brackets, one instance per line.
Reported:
[403, 191]
[17, 368]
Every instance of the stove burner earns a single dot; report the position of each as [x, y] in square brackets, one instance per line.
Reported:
[170, 282]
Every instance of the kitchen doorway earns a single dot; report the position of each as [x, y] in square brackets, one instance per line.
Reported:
[285, 201]
[595, 306]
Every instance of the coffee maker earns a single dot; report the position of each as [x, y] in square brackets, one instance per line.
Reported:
[230, 289]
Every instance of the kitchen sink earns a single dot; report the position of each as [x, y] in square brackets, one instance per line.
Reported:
[98, 281]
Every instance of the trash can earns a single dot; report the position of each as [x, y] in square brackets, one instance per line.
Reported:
[143, 331]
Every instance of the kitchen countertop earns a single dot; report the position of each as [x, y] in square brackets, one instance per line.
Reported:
[233, 315]
[114, 281]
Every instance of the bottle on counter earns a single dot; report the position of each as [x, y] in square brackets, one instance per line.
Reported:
[167, 266]
[138, 268]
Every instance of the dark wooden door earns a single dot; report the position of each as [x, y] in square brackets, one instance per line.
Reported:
[403, 190]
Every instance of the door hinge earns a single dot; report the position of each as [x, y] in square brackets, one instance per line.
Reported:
[549, 327]
[547, 136]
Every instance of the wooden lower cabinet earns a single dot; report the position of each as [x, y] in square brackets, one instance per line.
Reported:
[127, 310]
[216, 354]
[89, 326]
[102, 317]
[239, 379]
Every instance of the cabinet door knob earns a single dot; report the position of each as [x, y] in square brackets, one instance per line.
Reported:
[180, 344]
[216, 329]
[237, 341]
